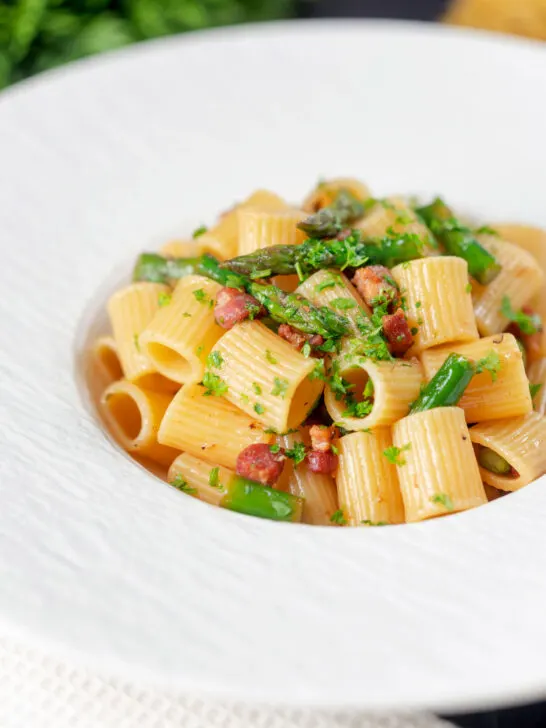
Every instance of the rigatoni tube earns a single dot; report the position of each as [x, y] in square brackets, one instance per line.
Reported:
[259, 228]
[367, 482]
[437, 468]
[265, 376]
[222, 487]
[394, 216]
[333, 289]
[208, 427]
[438, 301]
[518, 441]
[519, 280]
[317, 489]
[105, 360]
[537, 380]
[394, 386]
[180, 336]
[131, 309]
[133, 415]
[490, 395]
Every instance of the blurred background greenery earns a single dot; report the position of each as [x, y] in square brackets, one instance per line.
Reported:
[39, 34]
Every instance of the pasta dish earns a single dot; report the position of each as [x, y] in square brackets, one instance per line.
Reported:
[353, 361]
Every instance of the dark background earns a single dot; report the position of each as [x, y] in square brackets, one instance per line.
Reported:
[530, 716]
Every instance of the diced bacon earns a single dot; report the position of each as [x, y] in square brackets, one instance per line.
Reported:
[321, 462]
[374, 283]
[257, 462]
[297, 338]
[234, 306]
[397, 332]
[321, 437]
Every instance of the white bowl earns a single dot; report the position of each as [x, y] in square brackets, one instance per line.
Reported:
[102, 562]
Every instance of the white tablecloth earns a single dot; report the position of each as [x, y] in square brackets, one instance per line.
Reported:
[38, 691]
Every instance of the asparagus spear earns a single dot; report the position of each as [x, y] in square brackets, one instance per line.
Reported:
[313, 255]
[285, 308]
[447, 386]
[492, 461]
[331, 220]
[459, 240]
[254, 499]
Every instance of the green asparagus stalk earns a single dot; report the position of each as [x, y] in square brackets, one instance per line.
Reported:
[447, 386]
[313, 255]
[459, 240]
[285, 308]
[254, 499]
[331, 220]
[492, 461]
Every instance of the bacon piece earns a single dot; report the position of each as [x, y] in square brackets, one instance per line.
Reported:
[321, 462]
[397, 332]
[234, 306]
[375, 282]
[321, 437]
[257, 462]
[298, 338]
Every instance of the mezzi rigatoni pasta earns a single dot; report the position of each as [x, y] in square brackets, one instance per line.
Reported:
[520, 443]
[490, 395]
[436, 466]
[344, 360]
[183, 331]
[208, 427]
[426, 286]
[367, 482]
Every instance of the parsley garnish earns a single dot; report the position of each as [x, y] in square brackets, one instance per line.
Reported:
[443, 499]
[528, 324]
[215, 359]
[534, 389]
[200, 295]
[489, 363]
[245, 399]
[394, 454]
[418, 304]
[343, 304]
[338, 517]
[253, 309]
[280, 387]
[275, 448]
[164, 299]
[214, 385]
[329, 283]
[136, 342]
[318, 371]
[486, 230]
[200, 231]
[199, 350]
[373, 523]
[259, 408]
[181, 484]
[306, 350]
[468, 288]
[296, 453]
[270, 358]
[256, 388]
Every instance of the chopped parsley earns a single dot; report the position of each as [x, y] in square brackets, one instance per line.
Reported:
[329, 283]
[270, 358]
[215, 359]
[214, 479]
[414, 331]
[201, 296]
[339, 518]
[245, 399]
[214, 385]
[259, 408]
[318, 371]
[186, 314]
[534, 389]
[394, 454]
[366, 522]
[280, 387]
[275, 448]
[164, 299]
[201, 230]
[486, 230]
[418, 304]
[296, 453]
[199, 350]
[468, 288]
[253, 309]
[527, 323]
[343, 304]
[136, 342]
[334, 449]
[442, 499]
[256, 388]
[306, 350]
[179, 483]
[489, 363]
